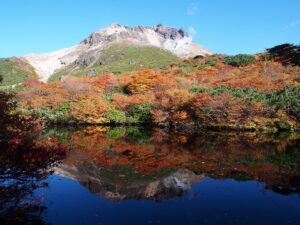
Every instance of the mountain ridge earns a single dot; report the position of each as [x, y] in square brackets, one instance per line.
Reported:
[177, 41]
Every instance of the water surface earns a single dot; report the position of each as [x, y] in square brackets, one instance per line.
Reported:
[99, 175]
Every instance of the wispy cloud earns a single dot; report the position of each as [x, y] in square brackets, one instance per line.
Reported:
[292, 25]
[192, 31]
[192, 9]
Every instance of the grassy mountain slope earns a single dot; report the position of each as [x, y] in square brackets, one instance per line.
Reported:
[15, 70]
[122, 58]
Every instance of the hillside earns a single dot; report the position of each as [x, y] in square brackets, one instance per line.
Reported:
[119, 59]
[15, 70]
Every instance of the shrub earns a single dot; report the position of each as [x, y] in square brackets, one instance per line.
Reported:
[146, 81]
[90, 109]
[142, 81]
[140, 113]
[179, 97]
[64, 108]
[287, 99]
[249, 93]
[226, 109]
[105, 82]
[52, 117]
[209, 61]
[159, 116]
[239, 60]
[116, 116]
[124, 102]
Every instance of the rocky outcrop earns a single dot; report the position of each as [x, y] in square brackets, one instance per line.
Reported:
[116, 32]
[88, 51]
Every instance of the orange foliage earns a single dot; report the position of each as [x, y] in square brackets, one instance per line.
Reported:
[90, 108]
[141, 157]
[225, 109]
[105, 82]
[159, 115]
[44, 96]
[146, 80]
[168, 91]
[180, 116]
[179, 97]
[123, 102]
[261, 76]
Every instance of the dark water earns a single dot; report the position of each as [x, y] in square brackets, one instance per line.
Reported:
[134, 176]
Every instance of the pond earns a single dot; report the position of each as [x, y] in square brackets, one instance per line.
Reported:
[100, 175]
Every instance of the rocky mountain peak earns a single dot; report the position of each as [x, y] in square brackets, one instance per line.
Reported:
[170, 33]
[117, 32]
[177, 41]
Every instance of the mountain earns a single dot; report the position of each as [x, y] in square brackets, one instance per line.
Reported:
[161, 44]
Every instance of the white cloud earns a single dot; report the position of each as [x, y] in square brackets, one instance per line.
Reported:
[192, 9]
[293, 24]
[192, 31]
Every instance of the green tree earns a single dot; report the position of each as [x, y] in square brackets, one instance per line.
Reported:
[239, 60]
[287, 54]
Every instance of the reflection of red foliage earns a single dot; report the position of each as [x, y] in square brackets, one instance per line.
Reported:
[14, 141]
[141, 157]
[220, 156]
[34, 152]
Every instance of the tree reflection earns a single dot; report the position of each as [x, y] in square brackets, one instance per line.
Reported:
[109, 159]
[25, 162]
[23, 169]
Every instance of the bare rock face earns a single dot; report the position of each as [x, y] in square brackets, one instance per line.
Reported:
[88, 51]
[88, 58]
[170, 33]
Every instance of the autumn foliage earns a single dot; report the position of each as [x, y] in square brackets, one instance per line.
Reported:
[205, 91]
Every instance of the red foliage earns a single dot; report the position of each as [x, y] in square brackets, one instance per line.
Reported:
[105, 82]
[32, 83]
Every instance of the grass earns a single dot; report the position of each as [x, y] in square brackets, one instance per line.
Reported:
[121, 59]
[14, 71]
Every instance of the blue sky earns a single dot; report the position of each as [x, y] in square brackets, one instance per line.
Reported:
[223, 26]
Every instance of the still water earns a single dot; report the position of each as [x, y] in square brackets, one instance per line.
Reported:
[99, 175]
